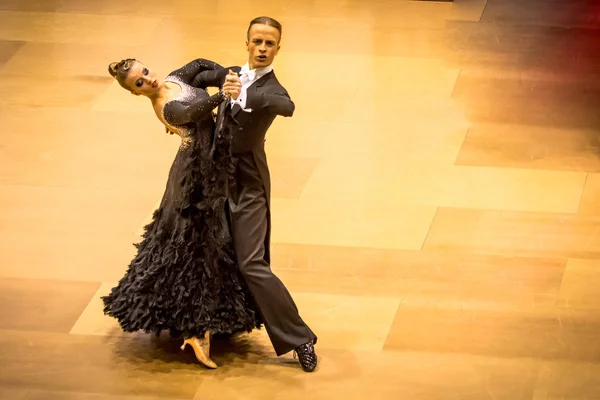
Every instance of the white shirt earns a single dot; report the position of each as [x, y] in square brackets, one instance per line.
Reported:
[248, 77]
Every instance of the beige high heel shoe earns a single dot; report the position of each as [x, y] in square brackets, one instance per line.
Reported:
[201, 349]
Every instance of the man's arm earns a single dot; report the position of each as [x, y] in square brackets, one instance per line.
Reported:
[214, 78]
[279, 103]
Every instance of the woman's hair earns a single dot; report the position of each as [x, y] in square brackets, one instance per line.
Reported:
[120, 70]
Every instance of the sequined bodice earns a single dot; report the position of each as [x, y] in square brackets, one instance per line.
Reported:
[186, 94]
[190, 97]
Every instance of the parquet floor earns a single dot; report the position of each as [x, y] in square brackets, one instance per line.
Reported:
[435, 197]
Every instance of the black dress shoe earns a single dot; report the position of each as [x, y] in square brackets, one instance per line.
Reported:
[307, 356]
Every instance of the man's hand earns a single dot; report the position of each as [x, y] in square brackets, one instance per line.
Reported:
[232, 85]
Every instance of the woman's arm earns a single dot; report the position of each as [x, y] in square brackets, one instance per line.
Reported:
[188, 72]
[210, 78]
[178, 113]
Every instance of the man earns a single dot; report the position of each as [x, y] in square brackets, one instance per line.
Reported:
[257, 98]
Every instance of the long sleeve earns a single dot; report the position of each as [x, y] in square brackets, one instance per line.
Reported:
[210, 78]
[278, 103]
[178, 113]
[188, 72]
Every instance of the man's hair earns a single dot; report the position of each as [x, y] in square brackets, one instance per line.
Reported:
[265, 21]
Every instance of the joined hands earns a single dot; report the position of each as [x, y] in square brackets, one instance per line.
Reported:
[232, 86]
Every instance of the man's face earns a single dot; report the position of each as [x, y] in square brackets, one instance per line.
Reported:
[263, 45]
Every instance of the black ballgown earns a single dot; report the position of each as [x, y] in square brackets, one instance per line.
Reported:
[184, 278]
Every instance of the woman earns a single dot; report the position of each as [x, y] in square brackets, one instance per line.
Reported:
[184, 278]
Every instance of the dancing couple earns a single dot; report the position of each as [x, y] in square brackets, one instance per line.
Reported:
[203, 265]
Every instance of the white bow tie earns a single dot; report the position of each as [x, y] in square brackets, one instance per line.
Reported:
[249, 75]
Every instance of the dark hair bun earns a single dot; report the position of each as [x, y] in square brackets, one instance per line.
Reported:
[112, 69]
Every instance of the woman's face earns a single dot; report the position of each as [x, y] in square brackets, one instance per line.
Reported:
[142, 80]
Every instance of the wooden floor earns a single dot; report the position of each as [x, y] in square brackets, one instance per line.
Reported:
[435, 197]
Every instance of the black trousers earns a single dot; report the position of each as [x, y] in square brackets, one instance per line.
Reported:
[249, 218]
